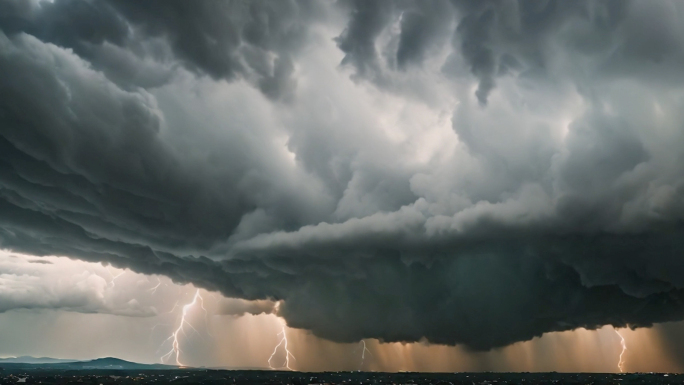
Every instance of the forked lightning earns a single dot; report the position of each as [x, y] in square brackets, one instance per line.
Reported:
[174, 337]
[283, 343]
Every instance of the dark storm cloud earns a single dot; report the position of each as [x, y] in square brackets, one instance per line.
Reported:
[230, 39]
[421, 25]
[94, 30]
[67, 23]
[223, 39]
[127, 200]
[497, 36]
[57, 164]
[558, 206]
[491, 37]
[484, 297]
[367, 20]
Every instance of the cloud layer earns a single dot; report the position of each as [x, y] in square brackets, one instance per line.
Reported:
[56, 284]
[466, 172]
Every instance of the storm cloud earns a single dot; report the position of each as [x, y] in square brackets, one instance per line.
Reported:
[465, 172]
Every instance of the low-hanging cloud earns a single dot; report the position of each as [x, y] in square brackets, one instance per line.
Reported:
[466, 172]
[239, 307]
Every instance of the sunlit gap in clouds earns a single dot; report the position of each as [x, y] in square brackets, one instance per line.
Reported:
[131, 316]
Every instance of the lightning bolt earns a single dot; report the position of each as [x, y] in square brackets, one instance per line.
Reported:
[363, 352]
[175, 305]
[154, 289]
[114, 277]
[621, 363]
[282, 342]
[174, 337]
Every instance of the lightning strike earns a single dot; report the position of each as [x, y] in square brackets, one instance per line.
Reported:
[114, 277]
[174, 337]
[363, 352]
[175, 305]
[283, 342]
[621, 363]
[154, 289]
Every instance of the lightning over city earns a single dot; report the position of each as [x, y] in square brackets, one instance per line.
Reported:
[282, 342]
[364, 350]
[341, 191]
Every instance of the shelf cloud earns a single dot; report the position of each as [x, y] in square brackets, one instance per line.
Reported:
[460, 172]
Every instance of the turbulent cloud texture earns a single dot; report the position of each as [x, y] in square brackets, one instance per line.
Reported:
[465, 172]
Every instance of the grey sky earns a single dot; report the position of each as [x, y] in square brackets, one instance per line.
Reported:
[471, 173]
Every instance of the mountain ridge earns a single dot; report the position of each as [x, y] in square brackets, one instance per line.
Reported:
[97, 363]
[35, 360]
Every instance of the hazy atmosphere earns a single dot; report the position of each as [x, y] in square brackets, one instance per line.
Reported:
[433, 185]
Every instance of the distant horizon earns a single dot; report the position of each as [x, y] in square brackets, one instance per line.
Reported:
[296, 371]
[344, 185]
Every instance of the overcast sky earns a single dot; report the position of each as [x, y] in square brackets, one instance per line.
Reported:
[458, 173]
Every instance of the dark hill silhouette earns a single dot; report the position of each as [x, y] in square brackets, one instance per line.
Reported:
[34, 360]
[99, 363]
[111, 363]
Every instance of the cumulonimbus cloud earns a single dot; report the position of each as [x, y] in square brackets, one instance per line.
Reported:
[472, 172]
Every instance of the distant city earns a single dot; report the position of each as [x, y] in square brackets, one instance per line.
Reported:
[111, 371]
